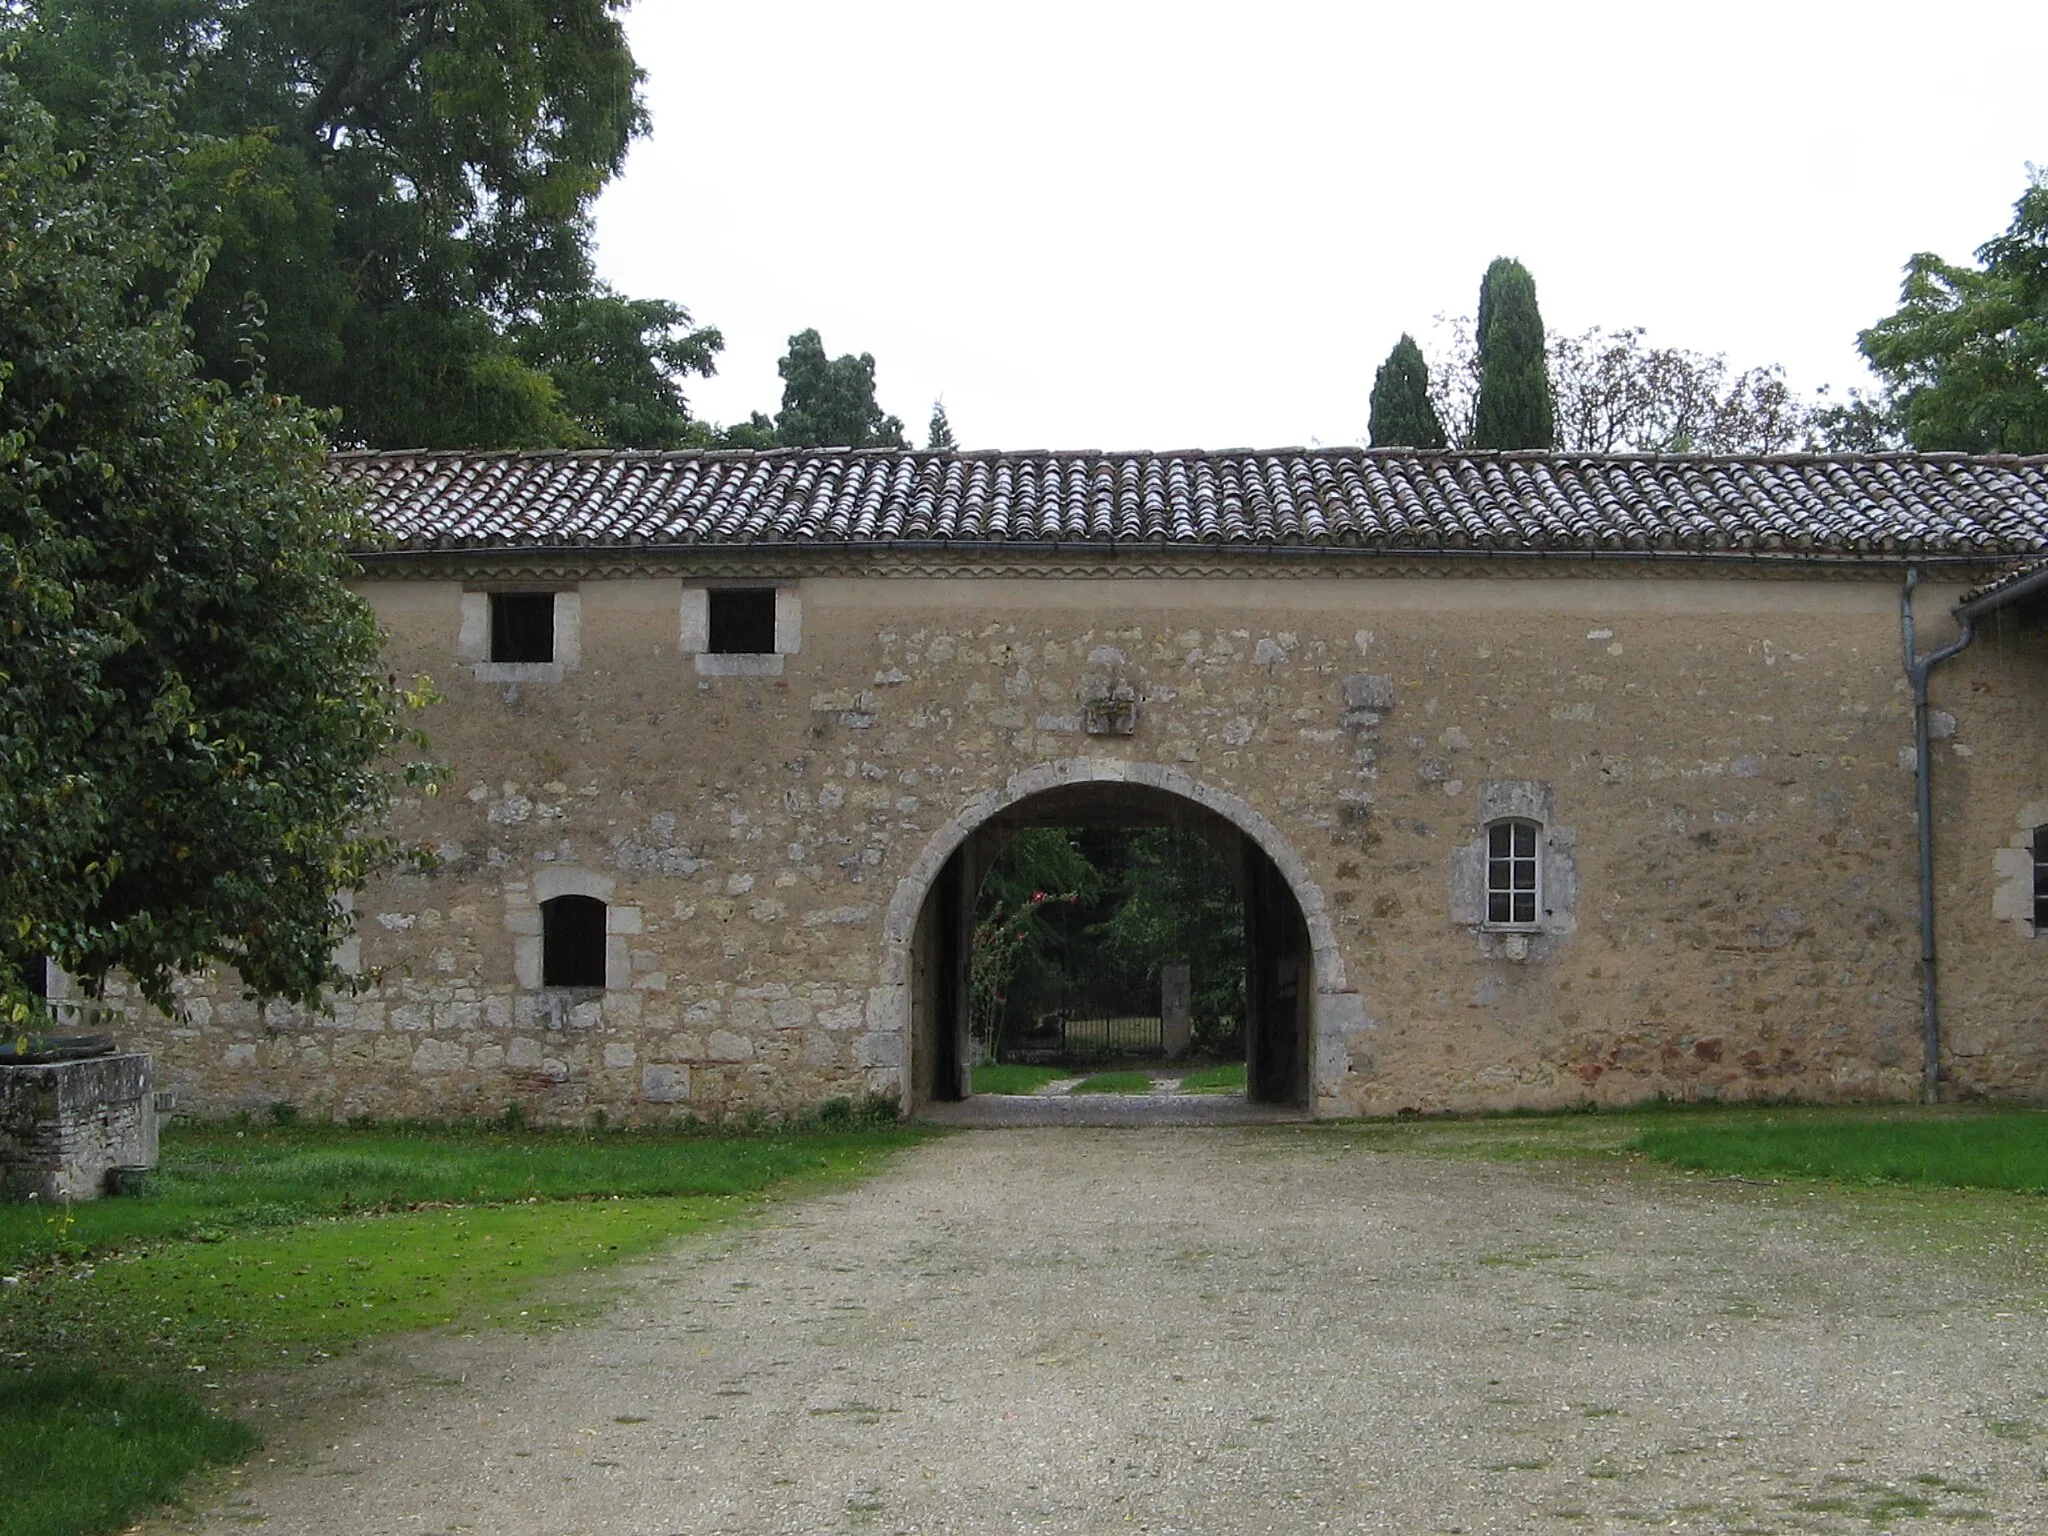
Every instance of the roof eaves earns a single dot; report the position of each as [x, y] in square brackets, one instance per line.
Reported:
[2022, 582]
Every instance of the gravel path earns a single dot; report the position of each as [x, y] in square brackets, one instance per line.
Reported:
[1210, 1330]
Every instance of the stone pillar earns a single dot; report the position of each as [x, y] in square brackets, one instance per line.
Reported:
[1176, 1011]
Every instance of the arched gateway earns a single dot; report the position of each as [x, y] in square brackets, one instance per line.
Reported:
[1295, 991]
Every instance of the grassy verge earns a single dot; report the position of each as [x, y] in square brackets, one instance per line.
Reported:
[1115, 1082]
[1910, 1146]
[1984, 1149]
[272, 1247]
[1224, 1079]
[993, 1077]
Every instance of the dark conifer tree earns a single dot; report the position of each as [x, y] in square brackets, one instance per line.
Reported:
[939, 436]
[1515, 409]
[1402, 416]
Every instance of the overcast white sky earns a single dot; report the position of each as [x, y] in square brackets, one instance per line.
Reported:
[1136, 225]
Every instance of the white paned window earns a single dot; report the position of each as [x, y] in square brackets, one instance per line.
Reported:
[1514, 875]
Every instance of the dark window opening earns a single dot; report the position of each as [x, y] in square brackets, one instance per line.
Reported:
[742, 621]
[2041, 879]
[572, 942]
[522, 626]
[1511, 872]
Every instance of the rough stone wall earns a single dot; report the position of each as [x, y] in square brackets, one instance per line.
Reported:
[1717, 759]
[1990, 753]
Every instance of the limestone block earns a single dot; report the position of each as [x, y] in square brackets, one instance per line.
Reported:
[878, 1050]
[2012, 896]
[844, 1016]
[523, 1052]
[789, 1013]
[439, 1056]
[726, 1045]
[620, 1053]
[665, 1084]
[1369, 690]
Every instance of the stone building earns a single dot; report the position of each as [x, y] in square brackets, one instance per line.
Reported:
[1543, 777]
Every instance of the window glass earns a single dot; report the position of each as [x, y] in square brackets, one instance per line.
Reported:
[742, 621]
[2041, 879]
[572, 942]
[522, 626]
[1511, 873]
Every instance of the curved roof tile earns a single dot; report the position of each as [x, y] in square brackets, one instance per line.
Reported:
[1353, 498]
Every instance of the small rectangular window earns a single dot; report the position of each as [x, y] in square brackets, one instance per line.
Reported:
[742, 621]
[572, 942]
[523, 626]
[2041, 879]
[1511, 884]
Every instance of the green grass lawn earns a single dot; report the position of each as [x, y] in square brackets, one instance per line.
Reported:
[276, 1246]
[1983, 1149]
[1115, 1082]
[993, 1077]
[1950, 1147]
[1224, 1079]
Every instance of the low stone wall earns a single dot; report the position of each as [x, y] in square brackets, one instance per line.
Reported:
[65, 1126]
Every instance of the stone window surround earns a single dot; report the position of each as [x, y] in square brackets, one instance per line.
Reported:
[694, 638]
[1531, 800]
[522, 918]
[2018, 876]
[473, 642]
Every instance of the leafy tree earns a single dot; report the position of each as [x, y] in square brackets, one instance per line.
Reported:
[195, 729]
[1514, 408]
[1041, 874]
[830, 402]
[1966, 353]
[1178, 903]
[939, 436]
[399, 191]
[1402, 416]
[618, 365]
[1613, 392]
[1859, 424]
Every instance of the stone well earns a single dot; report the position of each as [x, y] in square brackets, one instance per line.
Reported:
[67, 1127]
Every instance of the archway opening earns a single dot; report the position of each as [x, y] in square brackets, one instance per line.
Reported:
[1182, 945]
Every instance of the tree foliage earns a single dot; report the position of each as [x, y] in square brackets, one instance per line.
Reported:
[1402, 415]
[1514, 408]
[399, 192]
[1083, 918]
[1965, 356]
[939, 435]
[830, 402]
[194, 725]
[1615, 392]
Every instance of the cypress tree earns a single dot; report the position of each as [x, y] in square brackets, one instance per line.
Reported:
[939, 436]
[1515, 408]
[1402, 416]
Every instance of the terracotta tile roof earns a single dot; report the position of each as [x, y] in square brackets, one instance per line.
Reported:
[2008, 586]
[1347, 498]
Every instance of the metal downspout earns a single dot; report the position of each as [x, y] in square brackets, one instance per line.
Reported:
[1917, 670]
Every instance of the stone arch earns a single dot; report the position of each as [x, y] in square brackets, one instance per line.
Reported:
[1336, 1011]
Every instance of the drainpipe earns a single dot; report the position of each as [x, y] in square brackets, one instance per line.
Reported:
[1917, 669]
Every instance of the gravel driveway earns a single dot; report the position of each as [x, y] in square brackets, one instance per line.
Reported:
[1213, 1330]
